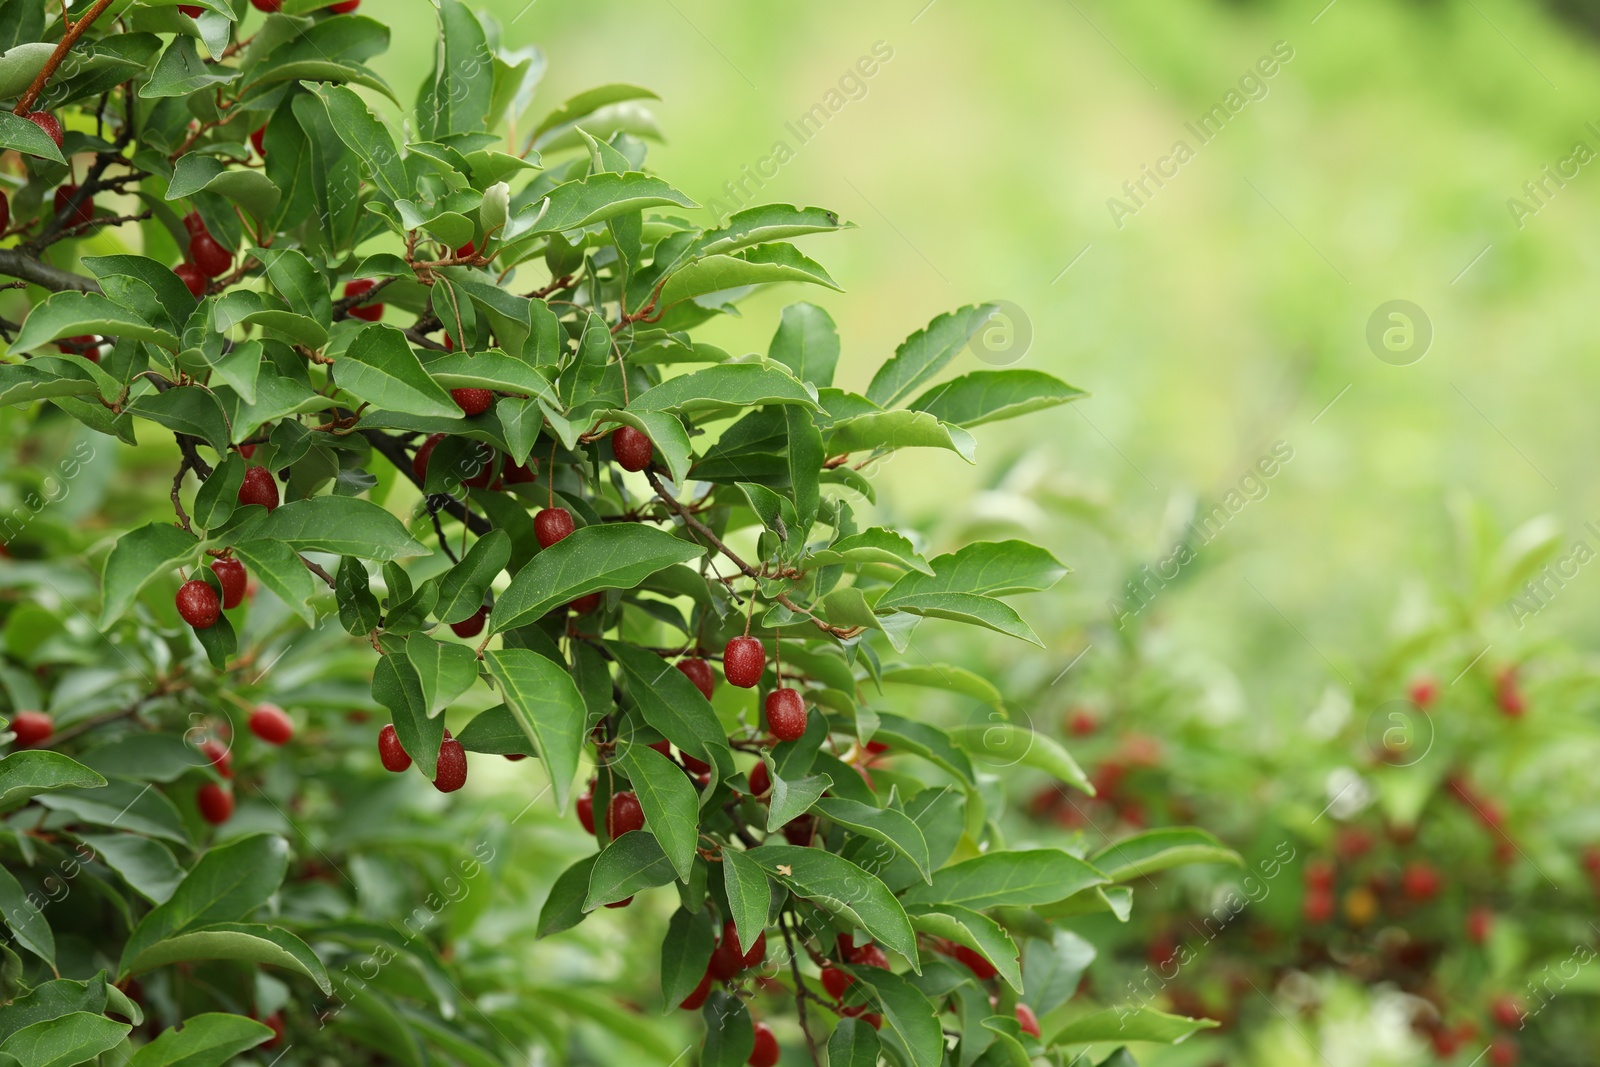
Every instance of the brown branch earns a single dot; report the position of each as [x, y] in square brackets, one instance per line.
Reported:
[74, 30]
[342, 306]
[799, 987]
[18, 264]
[394, 450]
[318, 571]
[83, 227]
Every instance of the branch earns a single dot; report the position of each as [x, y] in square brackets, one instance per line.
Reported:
[17, 264]
[74, 30]
[799, 987]
[394, 450]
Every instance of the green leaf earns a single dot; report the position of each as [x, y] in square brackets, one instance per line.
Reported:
[27, 773]
[26, 921]
[137, 559]
[615, 555]
[793, 797]
[760, 265]
[749, 895]
[301, 285]
[341, 525]
[120, 274]
[585, 104]
[381, 368]
[23, 135]
[926, 352]
[876, 545]
[944, 676]
[666, 433]
[992, 568]
[854, 1044]
[907, 1013]
[1017, 878]
[730, 1036]
[199, 172]
[670, 704]
[247, 942]
[61, 996]
[976, 931]
[806, 457]
[1158, 850]
[886, 431]
[727, 385]
[497, 731]
[599, 197]
[359, 612]
[145, 864]
[445, 669]
[125, 805]
[1052, 970]
[990, 395]
[685, 952]
[281, 571]
[671, 805]
[771, 222]
[207, 1040]
[181, 71]
[492, 369]
[1007, 743]
[71, 1039]
[1128, 1024]
[23, 384]
[463, 586]
[841, 888]
[228, 883]
[632, 862]
[926, 741]
[69, 314]
[368, 138]
[807, 342]
[455, 98]
[219, 494]
[893, 828]
[969, 608]
[187, 409]
[563, 908]
[396, 686]
[548, 705]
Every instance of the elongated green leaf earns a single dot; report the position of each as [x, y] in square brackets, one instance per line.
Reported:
[187, 409]
[990, 395]
[445, 669]
[760, 265]
[342, 525]
[200, 172]
[907, 1013]
[893, 828]
[671, 806]
[1007, 743]
[1052, 970]
[1020, 878]
[926, 352]
[1128, 1024]
[491, 369]
[24, 136]
[793, 797]
[599, 197]
[71, 313]
[27, 773]
[685, 951]
[876, 545]
[563, 908]
[463, 586]
[61, 996]
[969, 608]
[749, 895]
[26, 922]
[769, 222]
[841, 888]
[807, 342]
[353, 121]
[180, 71]
[171, 298]
[145, 864]
[23, 384]
[249, 942]
[586, 103]
[632, 862]
[926, 741]
[854, 1044]
[992, 568]
[218, 495]
[548, 705]
[1158, 850]
[671, 704]
[138, 558]
[887, 431]
[456, 96]
[381, 368]
[725, 385]
[976, 931]
[71, 1039]
[944, 676]
[276, 566]
[122, 804]
[617, 555]
[207, 1040]
[730, 1036]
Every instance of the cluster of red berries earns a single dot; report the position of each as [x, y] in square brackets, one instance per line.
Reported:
[449, 775]
[268, 722]
[206, 258]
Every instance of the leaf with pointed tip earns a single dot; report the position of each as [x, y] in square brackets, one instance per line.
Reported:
[24, 135]
[749, 895]
[1018, 878]
[887, 431]
[1007, 743]
[876, 545]
[1128, 1024]
[341, 525]
[563, 908]
[599, 197]
[381, 368]
[685, 952]
[26, 921]
[793, 797]
[907, 1012]
[761, 265]
[974, 930]
[768, 222]
[1159, 850]
[893, 828]
[632, 862]
[187, 409]
[969, 608]
[547, 703]
[144, 863]
[671, 806]
[247, 942]
[843, 889]
[463, 586]
[29, 772]
[276, 566]
[75, 1038]
[614, 555]
[138, 558]
[991, 395]
[926, 352]
[854, 1044]
[726, 385]
[207, 1040]
[444, 669]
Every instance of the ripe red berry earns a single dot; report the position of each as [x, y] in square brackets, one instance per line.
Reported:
[191, 10]
[219, 756]
[586, 809]
[877, 748]
[268, 6]
[1318, 906]
[1512, 704]
[1507, 1012]
[273, 1022]
[272, 724]
[32, 728]
[975, 963]
[372, 312]
[419, 460]
[231, 573]
[1082, 722]
[632, 449]
[48, 123]
[800, 831]
[259, 488]
[1420, 882]
[198, 604]
[452, 770]
[216, 803]
[623, 903]
[869, 955]
[519, 473]
[623, 814]
[760, 780]
[1503, 1051]
[1480, 923]
[585, 604]
[468, 249]
[1352, 843]
[391, 752]
[1027, 1020]
[786, 714]
[345, 7]
[552, 525]
[765, 1052]
[695, 767]
[1320, 874]
[836, 982]
[471, 626]
[70, 216]
[743, 661]
[209, 256]
[449, 343]
[473, 401]
[694, 1000]
[727, 961]
[190, 275]
[1424, 691]
[698, 671]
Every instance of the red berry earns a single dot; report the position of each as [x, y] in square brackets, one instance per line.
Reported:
[84, 212]
[623, 814]
[209, 256]
[1082, 723]
[552, 525]
[1420, 882]
[1503, 1051]
[273, 1022]
[520, 473]
[191, 10]
[694, 766]
[1318, 906]
[268, 6]
[1424, 691]
[1512, 704]
[468, 249]
[623, 903]
[190, 275]
[231, 573]
[449, 343]
[451, 773]
[1027, 1020]
[585, 604]
[1352, 843]
[48, 123]
[1507, 1012]
[471, 626]
[760, 780]
[216, 803]
[259, 488]
[743, 661]
[836, 982]
[391, 751]
[32, 728]
[877, 748]
[193, 223]
[272, 724]
[786, 714]
[698, 671]
[694, 1000]
[371, 312]
[727, 961]
[198, 604]
[5, 213]
[1480, 922]
[765, 1052]
[586, 810]
[345, 7]
[258, 137]
[632, 449]
[869, 955]
[800, 831]
[975, 963]
[419, 461]
[1320, 874]
[219, 756]
[473, 401]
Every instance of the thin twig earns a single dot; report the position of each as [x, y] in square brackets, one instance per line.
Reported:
[74, 30]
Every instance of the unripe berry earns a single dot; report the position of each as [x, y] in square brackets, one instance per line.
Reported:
[218, 754]
[48, 123]
[452, 769]
[198, 604]
[552, 525]
[371, 312]
[760, 780]
[1027, 1020]
[191, 277]
[259, 488]
[765, 1051]
[698, 671]
[623, 814]
[63, 203]
[632, 449]
[234, 580]
[743, 661]
[472, 625]
[215, 802]
[32, 728]
[473, 401]
[786, 714]
[586, 810]
[694, 1000]
[391, 752]
[272, 724]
